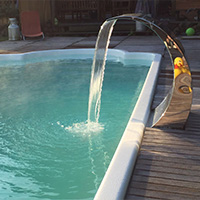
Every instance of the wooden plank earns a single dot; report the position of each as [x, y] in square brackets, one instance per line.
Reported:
[154, 140]
[172, 154]
[190, 179]
[161, 194]
[169, 169]
[155, 157]
[176, 142]
[131, 197]
[192, 138]
[166, 188]
[168, 144]
[164, 181]
[166, 164]
[175, 132]
[194, 150]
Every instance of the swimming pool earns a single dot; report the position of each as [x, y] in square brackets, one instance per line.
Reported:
[45, 151]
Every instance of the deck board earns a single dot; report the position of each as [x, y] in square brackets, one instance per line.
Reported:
[168, 165]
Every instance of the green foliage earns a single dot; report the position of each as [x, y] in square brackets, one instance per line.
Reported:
[3, 38]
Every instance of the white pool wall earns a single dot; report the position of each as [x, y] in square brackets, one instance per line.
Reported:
[40, 56]
[117, 177]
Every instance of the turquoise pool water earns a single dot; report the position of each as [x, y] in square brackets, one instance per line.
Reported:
[42, 155]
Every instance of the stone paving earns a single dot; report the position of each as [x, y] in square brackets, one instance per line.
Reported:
[129, 43]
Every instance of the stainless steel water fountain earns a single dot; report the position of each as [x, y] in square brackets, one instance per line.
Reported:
[173, 111]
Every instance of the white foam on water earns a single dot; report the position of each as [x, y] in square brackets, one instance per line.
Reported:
[85, 128]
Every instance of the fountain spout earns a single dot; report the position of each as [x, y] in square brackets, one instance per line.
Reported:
[173, 111]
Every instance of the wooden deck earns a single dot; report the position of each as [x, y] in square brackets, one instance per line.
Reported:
[168, 165]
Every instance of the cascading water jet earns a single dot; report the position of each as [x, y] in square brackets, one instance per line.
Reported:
[97, 72]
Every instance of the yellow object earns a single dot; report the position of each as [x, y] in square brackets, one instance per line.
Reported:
[185, 70]
[177, 72]
[179, 67]
[178, 61]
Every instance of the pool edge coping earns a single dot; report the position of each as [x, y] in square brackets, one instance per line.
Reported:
[116, 54]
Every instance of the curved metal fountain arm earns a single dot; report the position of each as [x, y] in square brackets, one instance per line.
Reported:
[173, 111]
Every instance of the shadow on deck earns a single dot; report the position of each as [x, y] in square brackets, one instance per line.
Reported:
[168, 166]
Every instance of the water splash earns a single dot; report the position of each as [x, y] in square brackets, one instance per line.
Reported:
[85, 128]
[97, 73]
[92, 125]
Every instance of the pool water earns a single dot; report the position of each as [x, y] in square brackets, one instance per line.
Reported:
[45, 153]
